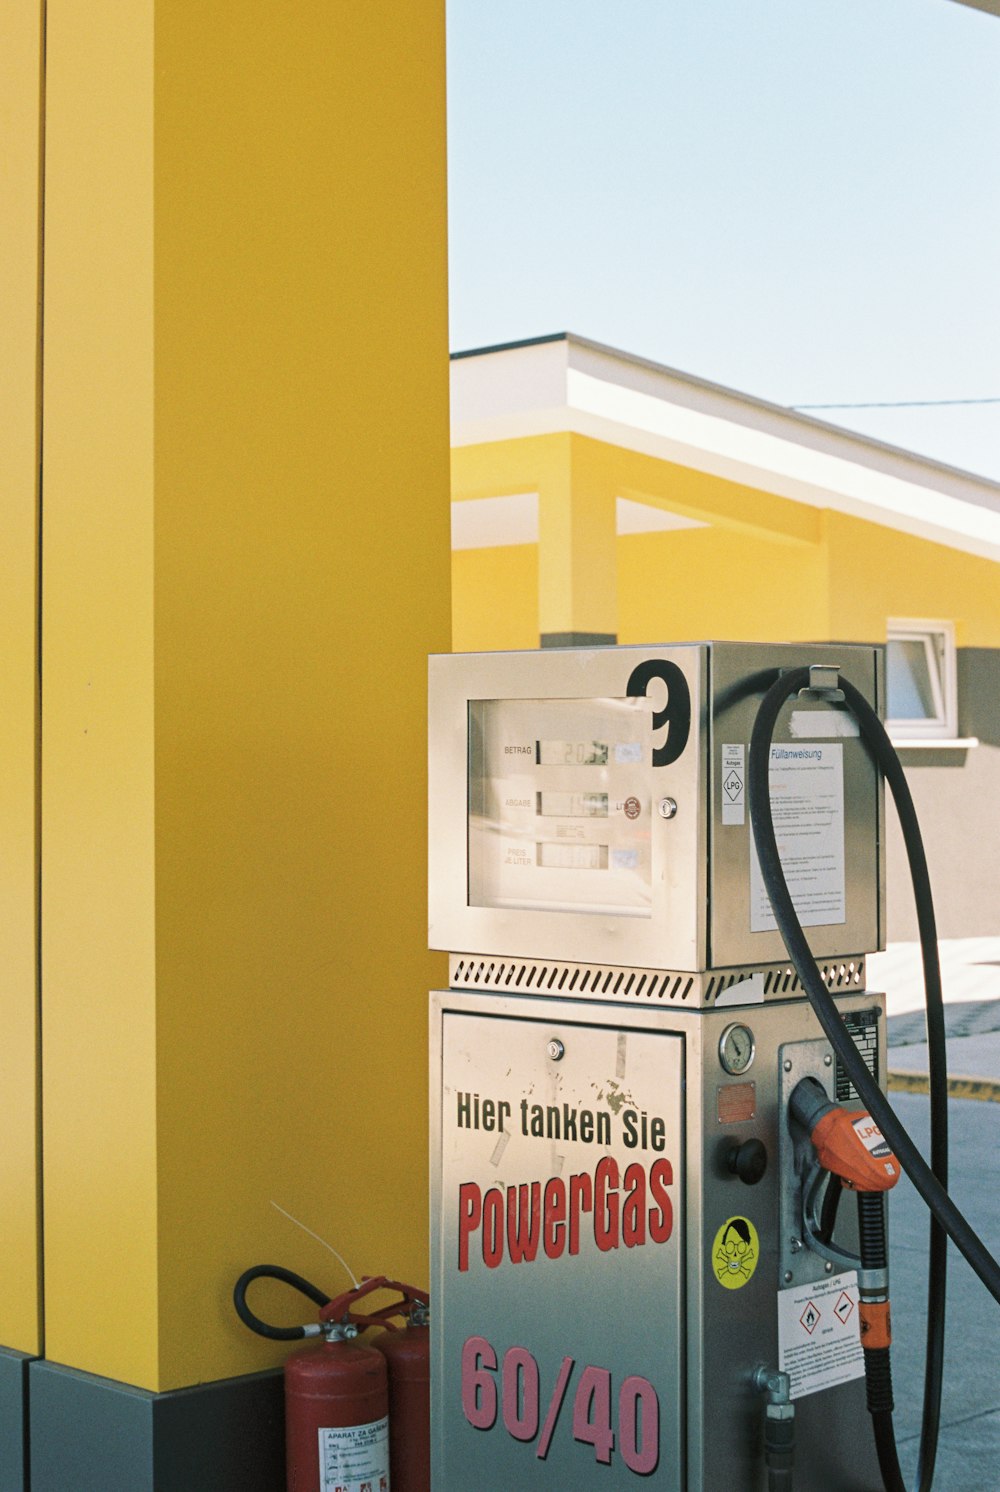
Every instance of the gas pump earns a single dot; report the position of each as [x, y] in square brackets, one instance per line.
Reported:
[633, 1247]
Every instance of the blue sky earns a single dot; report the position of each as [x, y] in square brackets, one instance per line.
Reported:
[797, 200]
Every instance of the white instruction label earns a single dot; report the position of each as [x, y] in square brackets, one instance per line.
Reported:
[807, 804]
[355, 1458]
[811, 725]
[819, 1343]
[734, 784]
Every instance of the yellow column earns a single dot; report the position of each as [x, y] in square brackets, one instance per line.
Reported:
[20, 187]
[577, 556]
[246, 562]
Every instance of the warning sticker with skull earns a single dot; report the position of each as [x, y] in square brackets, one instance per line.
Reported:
[735, 1252]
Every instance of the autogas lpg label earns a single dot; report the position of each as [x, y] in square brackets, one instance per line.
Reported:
[355, 1458]
[733, 778]
[871, 1137]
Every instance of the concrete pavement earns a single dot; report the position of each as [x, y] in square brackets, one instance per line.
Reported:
[969, 1452]
[969, 1447]
[970, 976]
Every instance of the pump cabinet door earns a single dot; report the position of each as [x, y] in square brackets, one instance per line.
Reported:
[558, 1235]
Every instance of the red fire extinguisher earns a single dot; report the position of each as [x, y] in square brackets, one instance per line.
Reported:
[341, 1396]
[408, 1358]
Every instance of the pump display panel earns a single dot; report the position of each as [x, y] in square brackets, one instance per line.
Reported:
[590, 806]
[559, 806]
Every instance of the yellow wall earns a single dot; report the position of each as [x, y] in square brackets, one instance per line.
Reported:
[246, 563]
[576, 538]
[714, 582]
[20, 124]
[494, 598]
[573, 562]
[501, 467]
[877, 573]
[764, 568]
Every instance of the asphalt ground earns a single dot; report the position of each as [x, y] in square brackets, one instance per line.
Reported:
[969, 1447]
[972, 1030]
[968, 1457]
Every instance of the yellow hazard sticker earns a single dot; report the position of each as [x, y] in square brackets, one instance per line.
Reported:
[735, 1252]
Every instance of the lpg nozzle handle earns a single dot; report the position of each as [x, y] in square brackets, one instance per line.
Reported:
[809, 1102]
[847, 1144]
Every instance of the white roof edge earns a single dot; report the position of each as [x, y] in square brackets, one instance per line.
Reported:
[567, 382]
[717, 397]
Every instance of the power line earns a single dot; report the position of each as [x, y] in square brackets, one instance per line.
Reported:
[898, 404]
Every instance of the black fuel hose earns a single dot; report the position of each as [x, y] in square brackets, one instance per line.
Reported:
[287, 1277]
[887, 760]
[874, 1253]
[779, 1453]
[930, 1181]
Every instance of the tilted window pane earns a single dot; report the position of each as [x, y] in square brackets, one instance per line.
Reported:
[911, 690]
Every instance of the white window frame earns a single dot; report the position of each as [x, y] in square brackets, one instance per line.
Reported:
[938, 640]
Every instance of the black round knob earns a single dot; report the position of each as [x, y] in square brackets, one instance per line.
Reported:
[748, 1161]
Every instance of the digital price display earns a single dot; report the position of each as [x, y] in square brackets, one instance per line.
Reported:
[571, 753]
[572, 856]
[572, 805]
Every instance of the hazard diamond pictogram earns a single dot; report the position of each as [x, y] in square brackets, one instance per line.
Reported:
[810, 1318]
[844, 1306]
[733, 784]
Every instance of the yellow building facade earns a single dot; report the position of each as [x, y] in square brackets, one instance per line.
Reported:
[224, 242]
[625, 502]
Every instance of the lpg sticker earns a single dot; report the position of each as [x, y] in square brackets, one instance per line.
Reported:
[871, 1138]
[818, 1341]
[734, 777]
[735, 1253]
[355, 1458]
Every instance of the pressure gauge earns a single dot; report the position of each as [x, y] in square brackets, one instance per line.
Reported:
[736, 1048]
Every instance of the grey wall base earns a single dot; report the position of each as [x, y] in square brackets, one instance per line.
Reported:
[578, 639]
[13, 1420]
[957, 798]
[95, 1435]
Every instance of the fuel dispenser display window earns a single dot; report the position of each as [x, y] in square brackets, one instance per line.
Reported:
[559, 805]
[572, 753]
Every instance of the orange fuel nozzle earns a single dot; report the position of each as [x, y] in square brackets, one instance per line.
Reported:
[849, 1145]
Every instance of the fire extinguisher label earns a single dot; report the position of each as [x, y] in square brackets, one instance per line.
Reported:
[355, 1458]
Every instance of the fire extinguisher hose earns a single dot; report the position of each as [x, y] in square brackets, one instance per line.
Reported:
[930, 1181]
[287, 1277]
